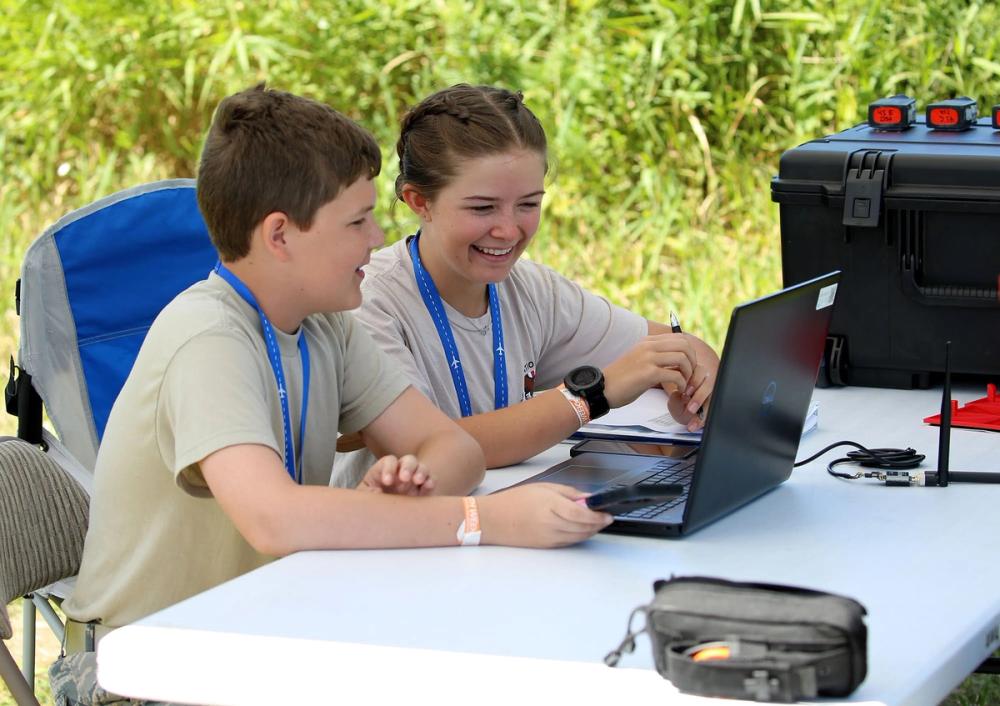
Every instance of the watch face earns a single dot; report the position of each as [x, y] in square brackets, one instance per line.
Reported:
[585, 377]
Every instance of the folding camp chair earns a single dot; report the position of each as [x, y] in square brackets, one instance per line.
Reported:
[90, 287]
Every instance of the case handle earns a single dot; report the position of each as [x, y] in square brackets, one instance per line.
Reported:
[950, 295]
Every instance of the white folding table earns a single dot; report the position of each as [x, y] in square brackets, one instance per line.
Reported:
[500, 625]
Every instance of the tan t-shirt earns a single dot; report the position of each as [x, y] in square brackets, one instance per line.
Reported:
[550, 326]
[202, 382]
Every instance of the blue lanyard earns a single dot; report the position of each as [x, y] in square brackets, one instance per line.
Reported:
[432, 300]
[274, 355]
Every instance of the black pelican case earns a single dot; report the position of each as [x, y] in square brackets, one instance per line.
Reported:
[913, 220]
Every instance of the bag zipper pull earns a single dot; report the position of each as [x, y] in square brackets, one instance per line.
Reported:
[627, 645]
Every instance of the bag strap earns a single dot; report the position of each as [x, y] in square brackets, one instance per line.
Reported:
[627, 645]
[753, 672]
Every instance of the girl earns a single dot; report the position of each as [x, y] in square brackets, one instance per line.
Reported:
[483, 332]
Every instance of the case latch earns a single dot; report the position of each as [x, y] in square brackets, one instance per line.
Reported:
[863, 189]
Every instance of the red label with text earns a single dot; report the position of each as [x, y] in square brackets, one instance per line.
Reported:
[944, 116]
[887, 115]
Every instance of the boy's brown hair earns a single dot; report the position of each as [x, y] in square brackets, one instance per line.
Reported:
[270, 151]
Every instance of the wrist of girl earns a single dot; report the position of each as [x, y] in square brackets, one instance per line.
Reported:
[580, 406]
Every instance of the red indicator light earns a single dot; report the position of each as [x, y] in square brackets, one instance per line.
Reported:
[943, 116]
[893, 114]
[887, 115]
[955, 114]
[996, 117]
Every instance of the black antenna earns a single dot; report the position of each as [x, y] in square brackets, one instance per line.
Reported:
[944, 434]
[944, 438]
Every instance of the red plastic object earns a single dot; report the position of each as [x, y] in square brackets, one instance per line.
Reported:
[979, 414]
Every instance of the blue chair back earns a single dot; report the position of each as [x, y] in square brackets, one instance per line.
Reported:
[97, 279]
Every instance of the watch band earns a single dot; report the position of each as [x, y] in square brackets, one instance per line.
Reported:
[598, 405]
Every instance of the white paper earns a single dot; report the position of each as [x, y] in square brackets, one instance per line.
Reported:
[648, 418]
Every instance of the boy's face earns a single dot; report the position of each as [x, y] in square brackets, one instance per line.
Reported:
[329, 256]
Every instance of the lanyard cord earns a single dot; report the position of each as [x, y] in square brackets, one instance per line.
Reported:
[435, 307]
[274, 356]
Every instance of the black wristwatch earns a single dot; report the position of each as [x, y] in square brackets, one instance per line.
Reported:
[588, 382]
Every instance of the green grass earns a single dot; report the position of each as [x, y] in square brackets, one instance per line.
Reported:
[977, 690]
[46, 652]
[666, 119]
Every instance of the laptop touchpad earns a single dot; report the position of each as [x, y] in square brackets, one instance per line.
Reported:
[589, 479]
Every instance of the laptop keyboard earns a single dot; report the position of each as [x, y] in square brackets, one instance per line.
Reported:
[666, 472]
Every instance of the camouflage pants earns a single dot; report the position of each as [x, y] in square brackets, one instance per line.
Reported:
[74, 683]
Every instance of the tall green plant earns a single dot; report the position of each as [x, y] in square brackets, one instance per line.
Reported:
[665, 118]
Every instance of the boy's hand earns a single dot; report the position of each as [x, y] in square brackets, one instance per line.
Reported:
[538, 515]
[665, 359]
[402, 476]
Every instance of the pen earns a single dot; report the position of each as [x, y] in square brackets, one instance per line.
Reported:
[675, 325]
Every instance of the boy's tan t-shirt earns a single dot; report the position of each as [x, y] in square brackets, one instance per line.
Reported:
[201, 382]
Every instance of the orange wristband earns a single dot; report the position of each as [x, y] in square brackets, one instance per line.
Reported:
[469, 532]
[580, 405]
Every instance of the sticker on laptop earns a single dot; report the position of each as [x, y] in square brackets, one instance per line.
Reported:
[826, 296]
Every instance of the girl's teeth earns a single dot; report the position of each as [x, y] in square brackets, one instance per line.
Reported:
[494, 251]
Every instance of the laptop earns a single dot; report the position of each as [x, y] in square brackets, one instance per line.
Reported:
[766, 378]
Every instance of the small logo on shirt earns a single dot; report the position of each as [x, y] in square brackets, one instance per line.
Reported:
[529, 380]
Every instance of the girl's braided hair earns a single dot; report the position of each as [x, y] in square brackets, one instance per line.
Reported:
[461, 122]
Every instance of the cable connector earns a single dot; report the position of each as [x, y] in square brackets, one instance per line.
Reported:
[898, 477]
[904, 478]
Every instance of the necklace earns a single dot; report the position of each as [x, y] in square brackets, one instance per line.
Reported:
[471, 326]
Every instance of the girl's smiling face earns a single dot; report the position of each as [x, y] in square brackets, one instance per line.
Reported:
[476, 226]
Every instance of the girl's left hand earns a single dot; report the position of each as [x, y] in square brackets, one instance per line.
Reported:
[690, 406]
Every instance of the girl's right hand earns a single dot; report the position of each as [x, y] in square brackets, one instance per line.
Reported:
[538, 515]
[665, 359]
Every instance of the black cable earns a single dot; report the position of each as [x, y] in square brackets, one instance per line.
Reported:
[885, 458]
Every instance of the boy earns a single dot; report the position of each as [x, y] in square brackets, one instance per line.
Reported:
[217, 453]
